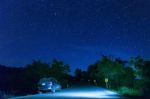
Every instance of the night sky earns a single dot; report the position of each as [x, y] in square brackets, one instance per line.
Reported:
[77, 32]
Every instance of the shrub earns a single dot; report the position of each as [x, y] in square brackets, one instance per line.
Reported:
[130, 91]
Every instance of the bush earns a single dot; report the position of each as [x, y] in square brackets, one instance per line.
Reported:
[130, 91]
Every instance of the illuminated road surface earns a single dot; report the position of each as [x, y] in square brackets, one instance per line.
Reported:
[75, 93]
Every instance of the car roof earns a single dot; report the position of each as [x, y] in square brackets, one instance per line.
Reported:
[49, 79]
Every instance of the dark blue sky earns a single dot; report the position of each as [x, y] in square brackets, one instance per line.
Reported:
[75, 31]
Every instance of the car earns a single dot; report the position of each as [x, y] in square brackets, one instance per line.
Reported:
[48, 85]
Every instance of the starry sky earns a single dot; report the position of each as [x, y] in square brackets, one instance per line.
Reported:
[77, 32]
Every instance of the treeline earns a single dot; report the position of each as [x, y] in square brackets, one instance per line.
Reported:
[127, 77]
[115, 74]
[24, 80]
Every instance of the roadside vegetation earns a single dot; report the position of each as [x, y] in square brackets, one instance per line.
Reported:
[129, 78]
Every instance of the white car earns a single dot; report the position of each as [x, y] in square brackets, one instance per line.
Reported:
[48, 85]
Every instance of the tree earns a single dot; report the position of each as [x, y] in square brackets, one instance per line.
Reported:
[34, 72]
[128, 78]
[111, 70]
[39, 69]
[94, 75]
[78, 73]
[92, 71]
[137, 64]
[146, 74]
[60, 71]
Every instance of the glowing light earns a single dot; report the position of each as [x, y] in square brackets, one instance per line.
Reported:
[93, 94]
[43, 84]
[49, 87]
[110, 92]
[85, 93]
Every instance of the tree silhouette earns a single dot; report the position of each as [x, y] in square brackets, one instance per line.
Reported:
[34, 72]
[60, 71]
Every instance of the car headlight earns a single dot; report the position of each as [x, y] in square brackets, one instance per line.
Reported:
[43, 84]
[49, 87]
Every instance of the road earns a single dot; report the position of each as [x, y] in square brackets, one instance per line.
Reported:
[88, 92]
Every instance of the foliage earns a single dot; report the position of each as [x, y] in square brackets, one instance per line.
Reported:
[112, 70]
[130, 77]
[92, 71]
[129, 91]
[78, 73]
[37, 69]
[60, 71]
